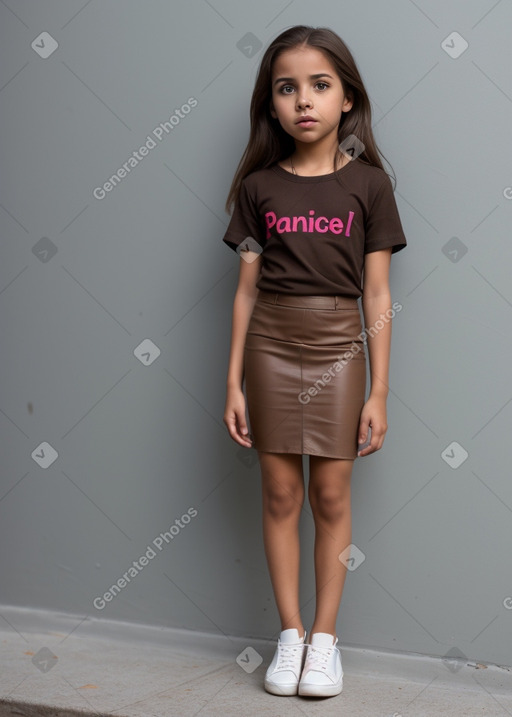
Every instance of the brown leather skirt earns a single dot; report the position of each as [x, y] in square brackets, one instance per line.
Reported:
[305, 374]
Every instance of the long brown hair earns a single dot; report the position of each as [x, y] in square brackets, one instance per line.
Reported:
[268, 142]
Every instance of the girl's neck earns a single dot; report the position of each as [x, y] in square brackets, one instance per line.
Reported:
[304, 163]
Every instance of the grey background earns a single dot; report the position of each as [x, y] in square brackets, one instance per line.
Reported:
[139, 441]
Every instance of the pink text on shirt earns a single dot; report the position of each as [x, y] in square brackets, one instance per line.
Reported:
[310, 224]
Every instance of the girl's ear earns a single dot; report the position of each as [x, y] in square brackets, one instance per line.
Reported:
[272, 111]
[348, 103]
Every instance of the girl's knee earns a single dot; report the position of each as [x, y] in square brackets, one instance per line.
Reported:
[329, 505]
[329, 488]
[282, 501]
[283, 485]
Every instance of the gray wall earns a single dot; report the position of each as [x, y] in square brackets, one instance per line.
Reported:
[115, 317]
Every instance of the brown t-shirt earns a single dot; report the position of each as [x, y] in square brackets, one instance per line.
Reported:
[314, 231]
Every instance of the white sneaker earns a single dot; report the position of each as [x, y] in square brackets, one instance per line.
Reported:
[322, 675]
[283, 673]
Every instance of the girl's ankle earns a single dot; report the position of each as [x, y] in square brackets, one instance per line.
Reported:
[300, 630]
[328, 632]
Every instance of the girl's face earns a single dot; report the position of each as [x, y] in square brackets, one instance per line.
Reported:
[304, 82]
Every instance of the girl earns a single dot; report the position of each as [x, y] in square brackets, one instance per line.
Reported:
[314, 209]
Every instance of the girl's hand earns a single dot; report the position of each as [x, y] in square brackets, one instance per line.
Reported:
[234, 417]
[373, 415]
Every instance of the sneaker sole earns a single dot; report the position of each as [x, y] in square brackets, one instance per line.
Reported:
[306, 690]
[281, 690]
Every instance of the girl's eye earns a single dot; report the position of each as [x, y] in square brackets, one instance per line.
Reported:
[284, 87]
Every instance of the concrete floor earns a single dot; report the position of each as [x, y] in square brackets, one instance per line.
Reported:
[134, 671]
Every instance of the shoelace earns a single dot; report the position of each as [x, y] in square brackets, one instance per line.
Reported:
[288, 656]
[317, 657]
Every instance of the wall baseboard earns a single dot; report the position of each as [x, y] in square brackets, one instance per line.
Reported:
[415, 667]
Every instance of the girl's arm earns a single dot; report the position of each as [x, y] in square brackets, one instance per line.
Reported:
[243, 304]
[376, 302]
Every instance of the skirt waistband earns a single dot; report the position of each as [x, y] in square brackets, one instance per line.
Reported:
[333, 302]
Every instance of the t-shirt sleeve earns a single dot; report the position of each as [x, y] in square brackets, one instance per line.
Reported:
[383, 226]
[245, 221]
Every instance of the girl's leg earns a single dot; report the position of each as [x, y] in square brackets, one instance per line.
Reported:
[283, 498]
[329, 496]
